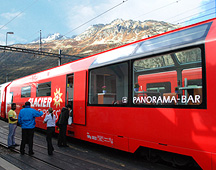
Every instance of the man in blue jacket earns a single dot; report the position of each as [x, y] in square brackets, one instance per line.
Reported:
[26, 119]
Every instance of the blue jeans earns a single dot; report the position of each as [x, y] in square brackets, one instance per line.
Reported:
[12, 129]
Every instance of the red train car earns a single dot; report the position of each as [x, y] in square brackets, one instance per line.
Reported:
[173, 110]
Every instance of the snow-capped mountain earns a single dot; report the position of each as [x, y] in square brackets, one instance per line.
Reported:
[51, 37]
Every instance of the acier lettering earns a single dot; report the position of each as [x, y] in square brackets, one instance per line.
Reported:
[41, 102]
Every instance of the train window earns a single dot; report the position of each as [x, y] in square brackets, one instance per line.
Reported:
[109, 85]
[70, 89]
[171, 79]
[11, 97]
[189, 56]
[26, 91]
[44, 89]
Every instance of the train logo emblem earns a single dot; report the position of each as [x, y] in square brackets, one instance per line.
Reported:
[57, 97]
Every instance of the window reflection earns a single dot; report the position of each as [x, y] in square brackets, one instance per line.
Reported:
[172, 79]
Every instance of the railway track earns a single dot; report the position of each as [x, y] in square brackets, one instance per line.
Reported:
[79, 155]
[62, 154]
[48, 165]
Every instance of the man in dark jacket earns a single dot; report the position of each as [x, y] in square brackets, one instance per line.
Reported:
[27, 121]
[63, 121]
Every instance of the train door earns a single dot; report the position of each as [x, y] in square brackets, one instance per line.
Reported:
[79, 100]
[70, 89]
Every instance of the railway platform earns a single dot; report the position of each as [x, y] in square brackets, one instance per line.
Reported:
[79, 155]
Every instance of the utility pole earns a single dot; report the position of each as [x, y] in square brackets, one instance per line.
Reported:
[59, 61]
[40, 43]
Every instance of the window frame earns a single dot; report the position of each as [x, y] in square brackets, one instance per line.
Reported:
[44, 88]
[110, 105]
[22, 91]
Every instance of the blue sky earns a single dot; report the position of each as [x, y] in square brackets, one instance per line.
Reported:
[63, 16]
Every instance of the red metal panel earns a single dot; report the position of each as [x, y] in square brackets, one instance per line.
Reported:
[79, 102]
[121, 142]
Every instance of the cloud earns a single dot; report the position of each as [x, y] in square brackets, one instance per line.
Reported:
[10, 15]
[82, 15]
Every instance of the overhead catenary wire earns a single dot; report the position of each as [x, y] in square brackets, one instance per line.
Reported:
[18, 15]
[195, 14]
[113, 8]
[35, 52]
[182, 12]
[157, 9]
[197, 17]
[90, 19]
[209, 14]
[189, 10]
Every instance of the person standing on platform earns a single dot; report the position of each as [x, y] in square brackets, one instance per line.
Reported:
[12, 120]
[26, 119]
[62, 123]
[50, 120]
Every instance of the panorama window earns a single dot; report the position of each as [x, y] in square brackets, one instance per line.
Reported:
[26, 91]
[171, 79]
[109, 85]
[44, 89]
